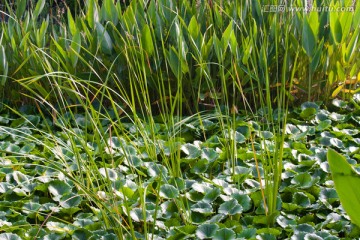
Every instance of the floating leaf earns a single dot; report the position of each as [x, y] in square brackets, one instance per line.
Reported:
[58, 188]
[303, 180]
[202, 207]
[301, 199]
[244, 200]
[9, 236]
[211, 195]
[231, 207]
[191, 151]
[168, 191]
[206, 231]
[70, 200]
[209, 154]
[224, 234]
[200, 166]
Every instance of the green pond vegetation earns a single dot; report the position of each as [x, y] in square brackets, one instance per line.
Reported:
[164, 119]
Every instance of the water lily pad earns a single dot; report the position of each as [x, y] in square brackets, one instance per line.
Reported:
[70, 200]
[202, 207]
[31, 209]
[80, 234]
[168, 191]
[209, 154]
[323, 125]
[108, 173]
[304, 227]
[337, 117]
[224, 234]
[285, 222]
[9, 236]
[266, 134]
[58, 188]
[59, 227]
[191, 151]
[308, 113]
[307, 105]
[20, 178]
[211, 195]
[244, 200]
[200, 166]
[206, 231]
[336, 143]
[230, 207]
[301, 199]
[247, 233]
[138, 215]
[234, 135]
[303, 180]
[329, 195]
[156, 170]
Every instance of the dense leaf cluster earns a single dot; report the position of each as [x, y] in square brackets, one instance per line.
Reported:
[44, 191]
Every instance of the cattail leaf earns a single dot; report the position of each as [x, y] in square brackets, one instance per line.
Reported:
[335, 27]
[75, 48]
[104, 38]
[38, 8]
[308, 38]
[20, 8]
[71, 22]
[351, 47]
[146, 40]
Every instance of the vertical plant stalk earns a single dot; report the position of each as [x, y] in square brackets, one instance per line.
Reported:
[259, 175]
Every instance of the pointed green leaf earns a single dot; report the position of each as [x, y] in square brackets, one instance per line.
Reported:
[71, 23]
[75, 47]
[308, 38]
[39, 7]
[104, 38]
[146, 40]
[20, 8]
[194, 28]
[335, 27]
[347, 184]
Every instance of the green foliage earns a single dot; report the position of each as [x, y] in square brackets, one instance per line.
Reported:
[346, 183]
[67, 178]
[144, 35]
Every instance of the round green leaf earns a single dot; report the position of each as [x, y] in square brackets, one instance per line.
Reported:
[168, 191]
[209, 154]
[202, 207]
[224, 234]
[244, 200]
[230, 207]
[301, 199]
[58, 188]
[108, 173]
[191, 151]
[70, 200]
[9, 236]
[211, 195]
[200, 166]
[206, 230]
[303, 180]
